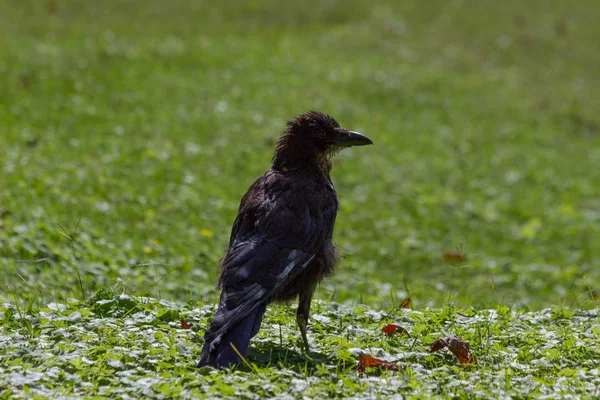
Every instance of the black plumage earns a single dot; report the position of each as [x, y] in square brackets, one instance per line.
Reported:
[280, 246]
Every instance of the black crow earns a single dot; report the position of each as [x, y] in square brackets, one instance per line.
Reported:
[280, 246]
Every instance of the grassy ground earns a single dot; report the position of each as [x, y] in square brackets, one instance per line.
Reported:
[135, 348]
[129, 132]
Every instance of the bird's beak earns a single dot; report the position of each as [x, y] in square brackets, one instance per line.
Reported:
[346, 138]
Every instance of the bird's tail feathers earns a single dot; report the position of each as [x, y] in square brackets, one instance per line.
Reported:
[218, 348]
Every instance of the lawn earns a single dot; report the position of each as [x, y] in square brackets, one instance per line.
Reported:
[130, 130]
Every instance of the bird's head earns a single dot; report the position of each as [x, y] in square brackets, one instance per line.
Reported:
[323, 133]
[312, 138]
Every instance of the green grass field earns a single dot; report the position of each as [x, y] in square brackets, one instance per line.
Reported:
[130, 130]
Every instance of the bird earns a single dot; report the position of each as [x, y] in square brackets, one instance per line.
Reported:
[280, 245]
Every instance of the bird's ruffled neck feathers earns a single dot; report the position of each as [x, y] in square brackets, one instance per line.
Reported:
[294, 154]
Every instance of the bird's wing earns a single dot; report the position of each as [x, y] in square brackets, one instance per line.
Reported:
[238, 301]
[274, 238]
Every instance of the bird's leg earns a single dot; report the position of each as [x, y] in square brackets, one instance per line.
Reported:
[303, 313]
[302, 321]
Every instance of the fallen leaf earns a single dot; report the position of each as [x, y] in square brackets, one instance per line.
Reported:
[24, 81]
[560, 28]
[393, 328]
[520, 21]
[406, 303]
[458, 347]
[51, 7]
[366, 361]
[454, 256]
[184, 324]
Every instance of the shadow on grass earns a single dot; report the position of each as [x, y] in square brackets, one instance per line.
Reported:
[277, 356]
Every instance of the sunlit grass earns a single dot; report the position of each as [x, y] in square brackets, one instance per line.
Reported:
[148, 124]
[118, 346]
[130, 131]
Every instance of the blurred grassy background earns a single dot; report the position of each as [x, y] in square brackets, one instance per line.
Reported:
[130, 130]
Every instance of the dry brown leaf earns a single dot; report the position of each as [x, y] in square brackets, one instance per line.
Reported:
[406, 303]
[561, 27]
[51, 7]
[393, 328]
[184, 324]
[24, 81]
[454, 256]
[458, 347]
[366, 361]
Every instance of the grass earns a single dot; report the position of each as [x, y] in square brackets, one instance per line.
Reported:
[124, 347]
[130, 131]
